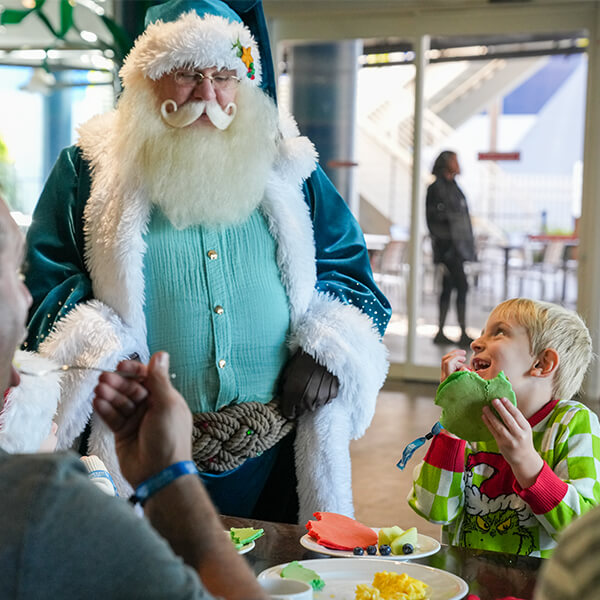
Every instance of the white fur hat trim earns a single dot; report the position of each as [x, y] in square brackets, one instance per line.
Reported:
[193, 42]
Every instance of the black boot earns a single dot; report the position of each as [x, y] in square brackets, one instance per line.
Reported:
[442, 340]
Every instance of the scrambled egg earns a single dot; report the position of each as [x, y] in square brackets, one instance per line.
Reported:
[392, 586]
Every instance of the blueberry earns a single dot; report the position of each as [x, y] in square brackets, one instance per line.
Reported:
[358, 551]
[407, 549]
[385, 550]
[371, 550]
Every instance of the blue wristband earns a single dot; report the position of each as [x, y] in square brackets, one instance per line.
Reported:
[410, 449]
[148, 488]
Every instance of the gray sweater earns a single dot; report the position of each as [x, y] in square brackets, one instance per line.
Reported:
[61, 537]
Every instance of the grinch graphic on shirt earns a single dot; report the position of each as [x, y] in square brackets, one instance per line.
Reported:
[494, 517]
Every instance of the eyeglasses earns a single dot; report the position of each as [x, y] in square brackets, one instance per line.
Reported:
[220, 81]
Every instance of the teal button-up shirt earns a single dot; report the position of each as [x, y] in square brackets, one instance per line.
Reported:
[215, 302]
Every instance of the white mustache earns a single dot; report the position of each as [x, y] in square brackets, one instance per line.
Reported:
[186, 114]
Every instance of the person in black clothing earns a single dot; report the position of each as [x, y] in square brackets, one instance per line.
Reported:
[452, 240]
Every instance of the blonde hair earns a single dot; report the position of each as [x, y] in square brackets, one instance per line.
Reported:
[552, 326]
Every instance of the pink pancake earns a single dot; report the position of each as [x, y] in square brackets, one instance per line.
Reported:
[339, 532]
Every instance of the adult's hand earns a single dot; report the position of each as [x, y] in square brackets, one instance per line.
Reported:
[153, 429]
[305, 385]
[149, 418]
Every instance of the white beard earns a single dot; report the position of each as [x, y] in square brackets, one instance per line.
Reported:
[199, 175]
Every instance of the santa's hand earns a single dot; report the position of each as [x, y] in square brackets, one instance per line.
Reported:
[453, 361]
[305, 386]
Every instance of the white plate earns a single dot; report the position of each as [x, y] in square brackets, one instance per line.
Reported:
[245, 548]
[426, 546]
[343, 574]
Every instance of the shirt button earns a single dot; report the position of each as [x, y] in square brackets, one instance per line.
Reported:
[212, 254]
[222, 364]
[219, 309]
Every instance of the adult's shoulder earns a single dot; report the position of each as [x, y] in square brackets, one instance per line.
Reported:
[436, 183]
[97, 137]
[572, 571]
[60, 519]
[69, 164]
[437, 189]
[41, 466]
[93, 137]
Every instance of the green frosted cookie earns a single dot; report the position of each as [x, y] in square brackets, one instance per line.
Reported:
[242, 536]
[463, 395]
[296, 571]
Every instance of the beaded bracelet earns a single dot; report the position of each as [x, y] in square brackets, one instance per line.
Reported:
[148, 488]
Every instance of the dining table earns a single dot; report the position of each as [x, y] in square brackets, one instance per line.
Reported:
[489, 575]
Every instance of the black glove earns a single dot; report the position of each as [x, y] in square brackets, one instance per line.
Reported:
[305, 386]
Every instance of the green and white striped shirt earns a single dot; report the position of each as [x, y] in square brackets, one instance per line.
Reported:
[470, 489]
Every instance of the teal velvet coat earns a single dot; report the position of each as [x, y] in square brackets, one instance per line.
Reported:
[85, 273]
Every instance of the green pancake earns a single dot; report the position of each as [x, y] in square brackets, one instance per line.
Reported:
[462, 397]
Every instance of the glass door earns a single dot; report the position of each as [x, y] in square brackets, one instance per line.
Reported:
[514, 119]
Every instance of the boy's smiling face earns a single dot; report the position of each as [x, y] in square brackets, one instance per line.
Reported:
[503, 346]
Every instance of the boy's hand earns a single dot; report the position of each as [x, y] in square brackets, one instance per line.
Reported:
[512, 433]
[453, 361]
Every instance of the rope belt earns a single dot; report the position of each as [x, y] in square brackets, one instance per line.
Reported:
[223, 440]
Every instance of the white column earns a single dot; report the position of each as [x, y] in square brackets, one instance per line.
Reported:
[414, 286]
[588, 303]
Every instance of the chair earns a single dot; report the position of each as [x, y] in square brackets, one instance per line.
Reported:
[431, 282]
[392, 270]
[485, 274]
[545, 271]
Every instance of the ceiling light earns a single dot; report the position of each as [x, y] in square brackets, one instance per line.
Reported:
[41, 82]
[88, 36]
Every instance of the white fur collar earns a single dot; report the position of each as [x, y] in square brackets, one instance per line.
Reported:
[117, 214]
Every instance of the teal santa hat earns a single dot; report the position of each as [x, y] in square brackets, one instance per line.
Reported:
[199, 34]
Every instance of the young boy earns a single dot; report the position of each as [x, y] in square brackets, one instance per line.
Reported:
[516, 494]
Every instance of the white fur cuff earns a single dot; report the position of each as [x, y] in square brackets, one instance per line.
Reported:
[91, 335]
[323, 464]
[342, 338]
[26, 418]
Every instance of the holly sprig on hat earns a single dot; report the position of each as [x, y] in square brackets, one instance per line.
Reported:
[245, 53]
